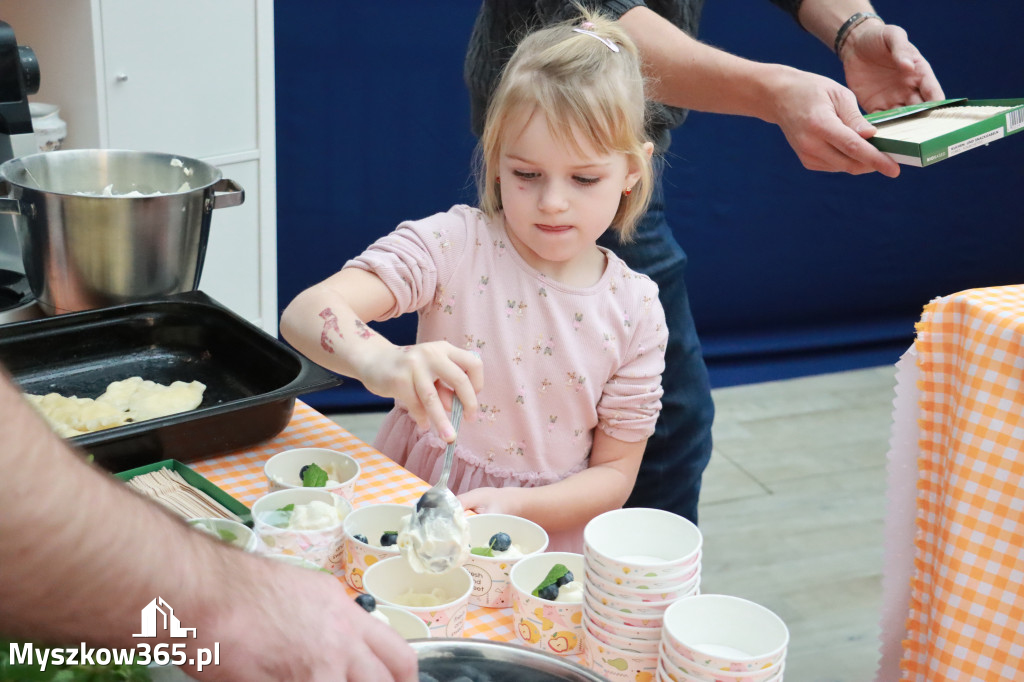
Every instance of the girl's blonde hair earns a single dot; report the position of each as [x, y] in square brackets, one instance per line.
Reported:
[582, 86]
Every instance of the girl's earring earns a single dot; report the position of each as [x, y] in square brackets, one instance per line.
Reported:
[627, 191]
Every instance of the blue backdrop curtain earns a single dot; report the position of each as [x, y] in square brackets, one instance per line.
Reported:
[791, 271]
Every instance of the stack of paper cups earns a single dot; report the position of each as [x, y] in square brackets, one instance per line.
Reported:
[720, 638]
[637, 563]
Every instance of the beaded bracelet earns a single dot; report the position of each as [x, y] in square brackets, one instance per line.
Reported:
[844, 31]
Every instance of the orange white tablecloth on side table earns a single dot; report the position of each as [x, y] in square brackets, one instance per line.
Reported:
[964, 605]
[240, 474]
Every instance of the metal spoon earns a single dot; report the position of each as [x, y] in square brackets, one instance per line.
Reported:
[437, 528]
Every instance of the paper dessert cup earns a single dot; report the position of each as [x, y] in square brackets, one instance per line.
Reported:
[322, 547]
[371, 521]
[680, 668]
[491, 585]
[554, 627]
[404, 622]
[389, 580]
[229, 531]
[283, 469]
[722, 632]
[616, 664]
[656, 543]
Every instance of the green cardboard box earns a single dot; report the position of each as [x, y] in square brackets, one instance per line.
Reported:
[196, 481]
[972, 134]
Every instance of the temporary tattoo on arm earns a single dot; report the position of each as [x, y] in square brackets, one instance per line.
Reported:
[330, 325]
[363, 330]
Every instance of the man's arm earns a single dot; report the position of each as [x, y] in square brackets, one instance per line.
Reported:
[819, 117]
[882, 66]
[81, 555]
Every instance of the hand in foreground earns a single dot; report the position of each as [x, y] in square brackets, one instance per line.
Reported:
[422, 378]
[302, 625]
[885, 70]
[824, 126]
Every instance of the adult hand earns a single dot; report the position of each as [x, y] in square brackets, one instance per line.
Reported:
[822, 122]
[302, 625]
[422, 378]
[885, 70]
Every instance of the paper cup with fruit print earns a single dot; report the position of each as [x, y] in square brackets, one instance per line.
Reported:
[365, 541]
[284, 470]
[406, 623]
[439, 600]
[542, 623]
[497, 542]
[228, 531]
[303, 522]
[616, 664]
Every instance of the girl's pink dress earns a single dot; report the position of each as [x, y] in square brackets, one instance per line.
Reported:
[558, 361]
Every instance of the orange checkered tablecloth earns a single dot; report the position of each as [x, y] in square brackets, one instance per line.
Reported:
[240, 474]
[966, 596]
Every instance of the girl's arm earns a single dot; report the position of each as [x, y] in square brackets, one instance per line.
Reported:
[327, 323]
[573, 501]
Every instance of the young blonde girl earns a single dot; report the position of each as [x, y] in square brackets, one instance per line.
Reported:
[553, 344]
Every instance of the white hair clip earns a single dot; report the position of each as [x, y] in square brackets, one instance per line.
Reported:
[611, 46]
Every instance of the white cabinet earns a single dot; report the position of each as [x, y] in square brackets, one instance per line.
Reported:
[188, 77]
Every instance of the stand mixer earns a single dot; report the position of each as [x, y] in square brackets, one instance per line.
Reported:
[19, 78]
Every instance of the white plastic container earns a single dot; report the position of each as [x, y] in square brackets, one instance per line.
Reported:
[49, 127]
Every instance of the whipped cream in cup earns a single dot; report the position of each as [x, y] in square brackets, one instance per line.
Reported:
[570, 593]
[303, 522]
[551, 626]
[283, 470]
[370, 521]
[393, 582]
[491, 585]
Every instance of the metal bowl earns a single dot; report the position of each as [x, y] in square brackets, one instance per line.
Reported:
[101, 227]
[481, 660]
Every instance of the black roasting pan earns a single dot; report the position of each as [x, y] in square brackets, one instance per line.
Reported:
[252, 378]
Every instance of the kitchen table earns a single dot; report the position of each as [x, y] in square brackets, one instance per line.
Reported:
[240, 474]
[953, 582]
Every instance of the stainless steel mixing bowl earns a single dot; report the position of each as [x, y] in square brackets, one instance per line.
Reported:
[481, 660]
[101, 227]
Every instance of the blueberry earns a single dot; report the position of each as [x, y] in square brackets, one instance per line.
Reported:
[565, 579]
[550, 592]
[499, 542]
[367, 602]
[361, 538]
[302, 472]
[388, 538]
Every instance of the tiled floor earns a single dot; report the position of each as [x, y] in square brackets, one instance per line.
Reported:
[792, 511]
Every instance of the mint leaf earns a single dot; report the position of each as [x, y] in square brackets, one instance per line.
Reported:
[280, 517]
[482, 551]
[314, 477]
[226, 535]
[556, 572]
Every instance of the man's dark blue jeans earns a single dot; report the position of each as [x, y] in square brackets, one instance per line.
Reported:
[679, 450]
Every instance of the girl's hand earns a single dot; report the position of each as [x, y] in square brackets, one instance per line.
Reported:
[493, 501]
[422, 379]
